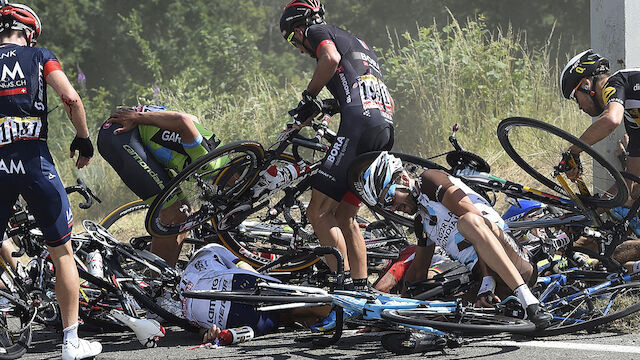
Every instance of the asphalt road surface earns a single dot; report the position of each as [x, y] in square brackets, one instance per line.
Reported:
[607, 346]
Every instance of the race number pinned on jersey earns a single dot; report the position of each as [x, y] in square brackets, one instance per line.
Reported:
[375, 95]
[17, 128]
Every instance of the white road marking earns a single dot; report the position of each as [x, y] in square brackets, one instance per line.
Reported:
[568, 345]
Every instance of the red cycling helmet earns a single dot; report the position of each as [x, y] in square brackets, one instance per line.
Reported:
[300, 13]
[21, 17]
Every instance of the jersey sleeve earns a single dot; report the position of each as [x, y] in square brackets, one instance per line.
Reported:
[318, 37]
[434, 183]
[613, 90]
[50, 62]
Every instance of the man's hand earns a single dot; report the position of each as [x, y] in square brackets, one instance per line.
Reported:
[84, 147]
[211, 334]
[307, 108]
[570, 164]
[486, 300]
[124, 117]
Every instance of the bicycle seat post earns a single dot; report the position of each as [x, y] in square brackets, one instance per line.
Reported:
[453, 140]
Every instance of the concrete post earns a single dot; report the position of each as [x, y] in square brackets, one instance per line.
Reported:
[615, 34]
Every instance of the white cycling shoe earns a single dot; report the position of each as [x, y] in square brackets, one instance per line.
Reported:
[84, 349]
[147, 331]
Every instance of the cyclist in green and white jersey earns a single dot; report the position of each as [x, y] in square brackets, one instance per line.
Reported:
[145, 145]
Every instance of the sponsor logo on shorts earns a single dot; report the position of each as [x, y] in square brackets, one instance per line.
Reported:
[337, 151]
[106, 125]
[12, 167]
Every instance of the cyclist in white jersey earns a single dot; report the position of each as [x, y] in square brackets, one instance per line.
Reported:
[459, 221]
[215, 267]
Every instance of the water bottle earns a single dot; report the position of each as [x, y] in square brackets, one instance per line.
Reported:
[94, 264]
[236, 335]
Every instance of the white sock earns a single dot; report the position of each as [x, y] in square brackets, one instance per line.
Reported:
[636, 266]
[71, 335]
[525, 296]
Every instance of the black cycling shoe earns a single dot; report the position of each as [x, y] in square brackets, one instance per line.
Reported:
[404, 343]
[539, 316]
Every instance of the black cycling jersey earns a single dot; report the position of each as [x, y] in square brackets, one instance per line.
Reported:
[365, 107]
[623, 87]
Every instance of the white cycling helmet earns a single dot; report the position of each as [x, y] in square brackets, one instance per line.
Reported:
[378, 178]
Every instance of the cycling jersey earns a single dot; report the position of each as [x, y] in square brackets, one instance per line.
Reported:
[143, 156]
[214, 268]
[441, 225]
[26, 165]
[623, 87]
[365, 107]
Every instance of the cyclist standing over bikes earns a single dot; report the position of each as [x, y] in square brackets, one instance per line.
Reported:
[145, 145]
[26, 165]
[349, 69]
[611, 98]
[461, 222]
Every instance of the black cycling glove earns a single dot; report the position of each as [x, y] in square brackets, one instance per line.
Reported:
[83, 145]
[565, 163]
[307, 107]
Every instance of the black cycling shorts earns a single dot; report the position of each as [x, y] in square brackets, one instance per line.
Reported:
[633, 130]
[357, 134]
[136, 166]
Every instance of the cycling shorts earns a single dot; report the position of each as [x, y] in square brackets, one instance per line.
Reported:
[633, 148]
[357, 134]
[27, 169]
[127, 155]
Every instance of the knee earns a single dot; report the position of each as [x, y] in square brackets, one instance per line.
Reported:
[469, 224]
[317, 212]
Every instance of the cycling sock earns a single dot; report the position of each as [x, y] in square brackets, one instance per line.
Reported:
[348, 281]
[636, 266]
[71, 335]
[360, 284]
[525, 296]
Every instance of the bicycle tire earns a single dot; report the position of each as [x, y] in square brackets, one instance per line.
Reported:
[127, 221]
[250, 297]
[414, 165]
[594, 319]
[191, 186]
[540, 142]
[469, 322]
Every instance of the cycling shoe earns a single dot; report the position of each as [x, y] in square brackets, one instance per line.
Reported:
[620, 212]
[403, 343]
[329, 323]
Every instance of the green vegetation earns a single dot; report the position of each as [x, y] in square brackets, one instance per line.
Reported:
[229, 66]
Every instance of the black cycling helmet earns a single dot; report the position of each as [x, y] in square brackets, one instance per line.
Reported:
[300, 13]
[585, 64]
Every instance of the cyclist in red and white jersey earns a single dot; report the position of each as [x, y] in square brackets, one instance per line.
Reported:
[349, 69]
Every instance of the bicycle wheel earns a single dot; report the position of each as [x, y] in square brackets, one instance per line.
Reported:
[537, 147]
[467, 322]
[588, 311]
[414, 166]
[127, 221]
[212, 182]
[266, 235]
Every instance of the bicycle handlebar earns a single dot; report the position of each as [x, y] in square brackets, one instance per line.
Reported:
[86, 193]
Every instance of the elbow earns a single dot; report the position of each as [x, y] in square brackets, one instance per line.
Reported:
[611, 123]
[186, 119]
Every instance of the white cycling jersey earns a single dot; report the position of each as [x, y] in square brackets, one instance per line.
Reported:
[441, 225]
[211, 268]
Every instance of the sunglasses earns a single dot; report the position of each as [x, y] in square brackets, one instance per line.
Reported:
[292, 40]
[388, 197]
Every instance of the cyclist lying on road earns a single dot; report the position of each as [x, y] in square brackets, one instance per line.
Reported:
[461, 222]
[144, 145]
[215, 267]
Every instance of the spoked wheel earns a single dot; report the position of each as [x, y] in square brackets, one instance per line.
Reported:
[15, 328]
[468, 322]
[588, 311]
[537, 147]
[414, 166]
[264, 235]
[126, 222]
[205, 187]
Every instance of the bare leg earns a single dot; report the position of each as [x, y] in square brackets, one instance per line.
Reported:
[67, 282]
[633, 167]
[168, 248]
[356, 248]
[321, 213]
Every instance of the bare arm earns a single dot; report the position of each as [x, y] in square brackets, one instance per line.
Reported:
[608, 121]
[181, 123]
[73, 107]
[328, 60]
[420, 266]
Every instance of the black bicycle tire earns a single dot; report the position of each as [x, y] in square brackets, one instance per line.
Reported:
[590, 324]
[248, 297]
[20, 348]
[122, 211]
[416, 317]
[503, 136]
[152, 219]
[362, 161]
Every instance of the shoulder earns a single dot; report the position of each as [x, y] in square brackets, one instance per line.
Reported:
[431, 181]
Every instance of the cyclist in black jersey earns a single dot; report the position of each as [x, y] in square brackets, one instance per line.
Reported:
[349, 69]
[26, 165]
[612, 98]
